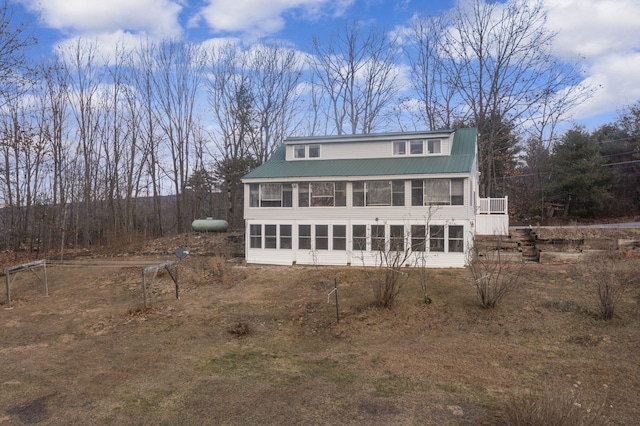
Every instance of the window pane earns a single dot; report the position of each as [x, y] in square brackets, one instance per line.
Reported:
[416, 147]
[358, 193]
[436, 191]
[254, 195]
[322, 237]
[378, 193]
[377, 237]
[304, 237]
[433, 146]
[397, 193]
[436, 238]
[303, 195]
[298, 151]
[271, 191]
[314, 151]
[417, 191]
[341, 194]
[359, 237]
[456, 238]
[287, 198]
[339, 237]
[255, 236]
[321, 194]
[285, 236]
[270, 240]
[396, 235]
[418, 237]
[399, 148]
[457, 192]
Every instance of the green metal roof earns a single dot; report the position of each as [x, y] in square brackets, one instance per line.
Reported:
[460, 161]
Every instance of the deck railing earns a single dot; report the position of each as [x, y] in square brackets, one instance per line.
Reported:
[494, 205]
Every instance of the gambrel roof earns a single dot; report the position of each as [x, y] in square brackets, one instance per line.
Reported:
[460, 160]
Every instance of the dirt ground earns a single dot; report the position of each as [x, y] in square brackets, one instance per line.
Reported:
[260, 345]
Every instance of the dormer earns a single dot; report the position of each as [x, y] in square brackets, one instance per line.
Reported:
[390, 145]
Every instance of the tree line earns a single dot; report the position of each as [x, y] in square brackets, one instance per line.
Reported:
[102, 147]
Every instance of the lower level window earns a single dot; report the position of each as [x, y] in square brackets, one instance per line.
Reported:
[322, 237]
[436, 238]
[456, 238]
[359, 233]
[339, 237]
[304, 237]
[270, 236]
[255, 236]
[285, 236]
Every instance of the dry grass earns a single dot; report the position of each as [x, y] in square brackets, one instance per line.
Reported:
[260, 345]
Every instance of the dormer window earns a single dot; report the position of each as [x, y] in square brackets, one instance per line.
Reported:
[416, 147]
[298, 151]
[434, 146]
[314, 151]
[399, 148]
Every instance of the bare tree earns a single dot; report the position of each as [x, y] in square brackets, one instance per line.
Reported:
[84, 76]
[254, 98]
[500, 55]
[14, 64]
[357, 73]
[53, 124]
[178, 73]
[147, 128]
[275, 73]
[434, 86]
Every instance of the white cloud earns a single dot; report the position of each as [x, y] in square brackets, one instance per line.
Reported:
[604, 35]
[259, 17]
[153, 17]
[105, 46]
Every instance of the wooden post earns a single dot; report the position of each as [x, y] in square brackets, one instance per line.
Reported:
[144, 289]
[6, 274]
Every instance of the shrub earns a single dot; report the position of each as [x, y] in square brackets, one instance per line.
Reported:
[495, 275]
[607, 276]
[552, 409]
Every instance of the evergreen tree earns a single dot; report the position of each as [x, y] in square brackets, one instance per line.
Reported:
[578, 178]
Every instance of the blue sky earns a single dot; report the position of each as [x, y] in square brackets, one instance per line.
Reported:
[604, 33]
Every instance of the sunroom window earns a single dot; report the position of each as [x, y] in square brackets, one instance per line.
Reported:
[378, 193]
[430, 192]
[270, 195]
[322, 194]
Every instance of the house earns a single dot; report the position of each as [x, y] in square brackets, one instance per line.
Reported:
[342, 200]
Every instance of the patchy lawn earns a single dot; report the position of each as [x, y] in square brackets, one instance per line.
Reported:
[249, 344]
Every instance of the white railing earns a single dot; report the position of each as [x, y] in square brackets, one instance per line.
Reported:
[494, 205]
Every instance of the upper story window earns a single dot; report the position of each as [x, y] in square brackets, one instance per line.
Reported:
[378, 193]
[314, 151]
[399, 148]
[416, 147]
[270, 195]
[322, 194]
[299, 151]
[437, 192]
[434, 146]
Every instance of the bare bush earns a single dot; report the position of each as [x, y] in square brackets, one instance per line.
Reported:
[551, 409]
[495, 274]
[388, 278]
[607, 276]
